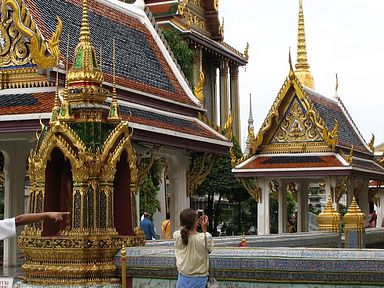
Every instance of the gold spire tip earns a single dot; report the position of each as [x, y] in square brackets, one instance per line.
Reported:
[85, 35]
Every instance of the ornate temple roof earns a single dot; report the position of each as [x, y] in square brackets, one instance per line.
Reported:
[150, 87]
[143, 64]
[301, 126]
[199, 22]
[331, 110]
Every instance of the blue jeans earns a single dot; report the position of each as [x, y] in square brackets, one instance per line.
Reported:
[191, 282]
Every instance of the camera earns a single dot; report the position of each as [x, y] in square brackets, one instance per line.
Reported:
[200, 213]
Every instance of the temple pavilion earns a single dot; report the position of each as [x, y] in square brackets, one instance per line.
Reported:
[306, 138]
[197, 21]
[89, 130]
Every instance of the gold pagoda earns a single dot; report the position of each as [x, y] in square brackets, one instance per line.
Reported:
[83, 163]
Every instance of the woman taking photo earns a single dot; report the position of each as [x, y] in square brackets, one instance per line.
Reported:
[191, 249]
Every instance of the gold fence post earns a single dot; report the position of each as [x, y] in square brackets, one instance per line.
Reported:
[123, 267]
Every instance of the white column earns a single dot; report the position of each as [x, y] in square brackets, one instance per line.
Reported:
[224, 99]
[177, 173]
[282, 204]
[263, 218]
[160, 216]
[15, 156]
[330, 189]
[213, 91]
[235, 103]
[302, 206]
[380, 209]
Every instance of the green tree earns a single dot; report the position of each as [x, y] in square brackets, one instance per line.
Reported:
[150, 187]
[222, 183]
[183, 53]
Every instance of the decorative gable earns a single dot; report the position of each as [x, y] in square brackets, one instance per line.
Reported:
[294, 125]
[22, 47]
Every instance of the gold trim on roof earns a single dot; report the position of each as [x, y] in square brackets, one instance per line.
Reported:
[21, 43]
[262, 140]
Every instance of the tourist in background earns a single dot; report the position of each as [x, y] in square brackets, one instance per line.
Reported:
[166, 230]
[147, 226]
[8, 225]
[191, 249]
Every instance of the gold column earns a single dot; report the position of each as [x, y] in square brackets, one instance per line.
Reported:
[235, 107]
[123, 268]
[329, 219]
[224, 105]
[354, 226]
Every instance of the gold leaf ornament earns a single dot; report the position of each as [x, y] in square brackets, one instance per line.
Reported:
[40, 51]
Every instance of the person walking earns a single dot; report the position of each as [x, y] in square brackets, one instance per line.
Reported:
[191, 250]
[166, 230]
[147, 226]
[8, 225]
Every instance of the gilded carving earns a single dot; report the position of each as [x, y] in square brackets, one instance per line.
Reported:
[197, 174]
[252, 186]
[192, 18]
[296, 127]
[308, 125]
[181, 6]
[227, 129]
[216, 4]
[246, 52]
[371, 144]
[199, 88]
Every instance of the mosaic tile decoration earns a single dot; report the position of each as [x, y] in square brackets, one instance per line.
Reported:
[293, 265]
[161, 283]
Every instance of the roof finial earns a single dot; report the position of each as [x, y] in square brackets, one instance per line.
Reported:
[302, 66]
[336, 94]
[337, 83]
[85, 35]
[250, 127]
[114, 109]
[291, 72]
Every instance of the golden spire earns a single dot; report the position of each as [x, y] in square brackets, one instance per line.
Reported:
[302, 66]
[85, 73]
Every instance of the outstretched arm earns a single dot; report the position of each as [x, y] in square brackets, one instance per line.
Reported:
[29, 218]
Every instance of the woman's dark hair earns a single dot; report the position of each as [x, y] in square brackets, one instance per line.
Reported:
[187, 220]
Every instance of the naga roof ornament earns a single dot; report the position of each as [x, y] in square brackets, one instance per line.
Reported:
[302, 67]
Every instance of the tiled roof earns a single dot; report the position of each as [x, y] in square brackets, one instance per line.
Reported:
[293, 161]
[140, 63]
[297, 165]
[369, 165]
[174, 124]
[40, 102]
[330, 110]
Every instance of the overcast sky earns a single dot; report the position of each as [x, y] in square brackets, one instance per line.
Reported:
[343, 36]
